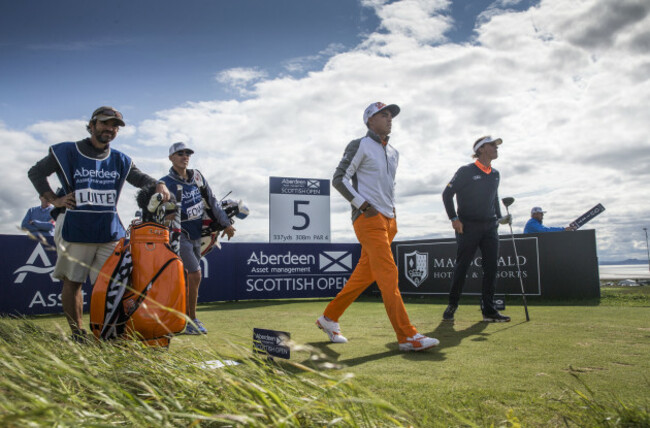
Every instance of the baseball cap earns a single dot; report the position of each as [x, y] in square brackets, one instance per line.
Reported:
[536, 210]
[105, 113]
[486, 140]
[375, 108]
[177, 147]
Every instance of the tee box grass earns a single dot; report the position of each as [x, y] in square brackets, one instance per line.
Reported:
[571, 365]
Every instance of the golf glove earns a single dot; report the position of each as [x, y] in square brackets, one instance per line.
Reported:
[506, 219]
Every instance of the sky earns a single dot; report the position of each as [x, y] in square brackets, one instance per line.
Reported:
[264, 88]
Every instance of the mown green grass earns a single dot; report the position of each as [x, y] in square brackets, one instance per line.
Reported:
[625, 296]
[569, 366]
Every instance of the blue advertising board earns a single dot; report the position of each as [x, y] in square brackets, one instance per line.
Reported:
[553, 265]
[236, 272]
[278, 271]
[26, 284]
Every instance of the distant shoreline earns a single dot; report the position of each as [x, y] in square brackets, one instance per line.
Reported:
[624, 271]
[624, 262]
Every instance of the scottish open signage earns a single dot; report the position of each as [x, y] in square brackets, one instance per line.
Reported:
[271, 342]
[294, 270]
[299, 210]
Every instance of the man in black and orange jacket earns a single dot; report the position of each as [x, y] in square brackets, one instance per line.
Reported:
[476, 189]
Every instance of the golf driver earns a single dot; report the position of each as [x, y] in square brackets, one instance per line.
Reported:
[507, 202]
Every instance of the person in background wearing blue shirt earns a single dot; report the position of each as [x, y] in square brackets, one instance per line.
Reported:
[38, 220]
[535, 225]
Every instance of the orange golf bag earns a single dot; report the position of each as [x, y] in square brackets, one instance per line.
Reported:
[140, 292]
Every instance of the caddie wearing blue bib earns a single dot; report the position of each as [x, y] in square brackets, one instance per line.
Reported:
[92, 175]
[196, 193]
[96, 185]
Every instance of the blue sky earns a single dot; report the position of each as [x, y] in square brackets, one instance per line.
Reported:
[276, 88]
[154, 54]
[148, 55]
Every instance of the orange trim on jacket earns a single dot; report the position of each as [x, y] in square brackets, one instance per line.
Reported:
[485, 169]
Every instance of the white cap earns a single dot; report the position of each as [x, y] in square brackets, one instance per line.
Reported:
[486, 140]
[375, 108]
[536, 210]
[177, 147]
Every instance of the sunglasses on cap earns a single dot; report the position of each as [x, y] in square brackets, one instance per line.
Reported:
[108, 112]
[183, 153]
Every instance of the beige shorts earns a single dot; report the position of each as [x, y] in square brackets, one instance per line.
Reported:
[77, 261]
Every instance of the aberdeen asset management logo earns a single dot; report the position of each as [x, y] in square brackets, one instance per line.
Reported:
[335, 261]
[417, 267]
[31, 266]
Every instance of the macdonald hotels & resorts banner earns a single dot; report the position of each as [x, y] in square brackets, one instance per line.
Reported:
[555, 265]
[427, 267]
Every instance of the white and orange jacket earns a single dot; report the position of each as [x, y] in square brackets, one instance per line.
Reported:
[367, 173]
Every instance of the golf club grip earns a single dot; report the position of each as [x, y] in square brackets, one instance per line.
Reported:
[179, 194]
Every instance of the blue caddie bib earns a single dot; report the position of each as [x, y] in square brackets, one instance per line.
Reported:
[96, 184]
[192, 205]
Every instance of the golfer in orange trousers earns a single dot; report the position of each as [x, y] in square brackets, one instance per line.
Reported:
[366, 178]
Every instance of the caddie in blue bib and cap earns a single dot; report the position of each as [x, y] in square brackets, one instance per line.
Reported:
[92, 175]
[197, 197]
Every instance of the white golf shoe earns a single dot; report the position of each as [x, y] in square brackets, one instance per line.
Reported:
[332, 329]
[419, 342]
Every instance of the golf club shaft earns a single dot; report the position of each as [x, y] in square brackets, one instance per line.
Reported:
[521, 281]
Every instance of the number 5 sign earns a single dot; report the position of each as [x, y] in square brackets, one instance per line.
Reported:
[299, 210]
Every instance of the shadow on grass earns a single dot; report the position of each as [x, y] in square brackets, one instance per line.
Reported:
[512, 300]
[332, 356]
[450, 337]
[445, 332]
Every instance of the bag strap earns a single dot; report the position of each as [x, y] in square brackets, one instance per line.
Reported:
[142, 294]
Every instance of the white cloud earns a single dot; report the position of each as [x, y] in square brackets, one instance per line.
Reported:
[56, 132]
[417, 19]
[306, 63]
[240, 78]
[569, 101]
[16, 192]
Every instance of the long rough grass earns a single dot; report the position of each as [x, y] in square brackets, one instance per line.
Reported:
[47, 380]
[606, 410]
[572, 365]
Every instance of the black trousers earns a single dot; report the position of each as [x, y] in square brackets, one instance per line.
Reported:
[483, 236]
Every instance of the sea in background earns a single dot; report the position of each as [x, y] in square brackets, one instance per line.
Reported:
[631, 271]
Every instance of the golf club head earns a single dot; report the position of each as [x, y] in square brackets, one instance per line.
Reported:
[508, 201]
